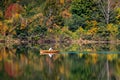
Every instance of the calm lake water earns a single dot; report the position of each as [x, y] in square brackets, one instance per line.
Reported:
[74, 62]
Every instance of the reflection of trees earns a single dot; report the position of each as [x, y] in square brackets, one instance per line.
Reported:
[94, 70]
[86, 69]
[30, 66]
[11, 65]
[116, 67]
[70, 66]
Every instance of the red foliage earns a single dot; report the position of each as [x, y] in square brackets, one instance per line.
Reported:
[12, 9]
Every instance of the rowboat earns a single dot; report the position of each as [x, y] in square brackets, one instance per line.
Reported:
[49, 51]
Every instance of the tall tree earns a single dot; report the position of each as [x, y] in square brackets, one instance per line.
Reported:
[107, 7]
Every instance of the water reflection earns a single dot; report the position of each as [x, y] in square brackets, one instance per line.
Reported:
[24, 62]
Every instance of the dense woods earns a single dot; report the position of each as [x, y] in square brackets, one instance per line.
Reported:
[61, 20]
[69, 26]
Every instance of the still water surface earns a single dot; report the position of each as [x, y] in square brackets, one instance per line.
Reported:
[74, 62]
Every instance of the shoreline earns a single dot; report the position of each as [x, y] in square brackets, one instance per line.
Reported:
[79, 41]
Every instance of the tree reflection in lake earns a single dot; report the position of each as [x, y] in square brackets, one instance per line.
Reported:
[24, 62]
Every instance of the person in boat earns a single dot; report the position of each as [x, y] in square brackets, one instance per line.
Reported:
[50, 54]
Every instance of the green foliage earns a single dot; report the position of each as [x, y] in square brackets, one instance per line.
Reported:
[52, 19]
[75, 22]
[21, 33]
[34, 33]
[38, 30]
[80, 7]
[118, 35]
[51, 8]
[59, 21]
[103, 34]
[84, 8]
[83, 11]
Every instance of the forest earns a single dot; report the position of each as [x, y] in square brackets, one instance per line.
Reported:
[69, 26]
[81, 21]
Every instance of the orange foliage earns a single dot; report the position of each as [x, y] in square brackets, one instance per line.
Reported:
[65, 29]
[92, 23]
[65, 14]
[23, 23]
[3, 28]
[61, 1]
[49, 21]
